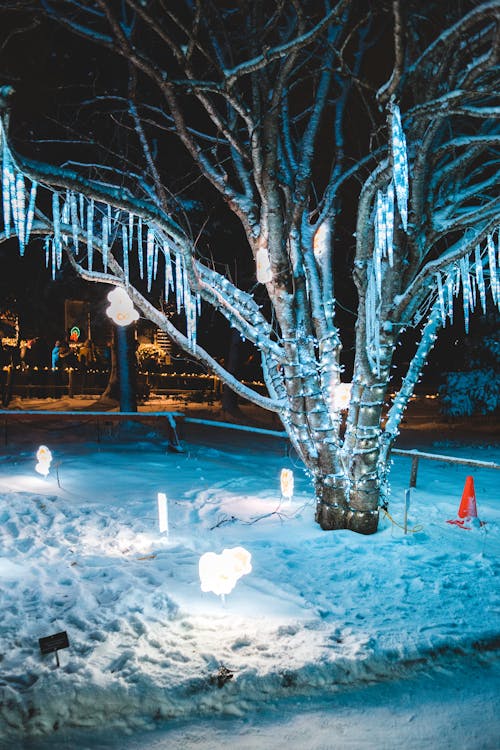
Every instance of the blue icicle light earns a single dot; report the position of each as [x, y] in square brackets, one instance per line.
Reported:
[400, 165]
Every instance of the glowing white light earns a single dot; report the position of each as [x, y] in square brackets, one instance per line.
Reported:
[44, 458]
[286, 481]
[219, 573]
[342, 395]
[264, 273]
[162, 512]
[321, 239]
[121, 310]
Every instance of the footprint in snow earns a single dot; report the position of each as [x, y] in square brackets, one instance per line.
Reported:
[24, 545]
[106, 596]
[11, 527]
[118, 664]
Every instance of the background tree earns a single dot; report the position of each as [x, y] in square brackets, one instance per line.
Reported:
[292, 114]
[470, 384]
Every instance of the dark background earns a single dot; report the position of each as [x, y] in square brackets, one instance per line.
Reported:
[53, 73]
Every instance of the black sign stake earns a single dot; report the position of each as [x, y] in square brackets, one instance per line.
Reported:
[52, 643]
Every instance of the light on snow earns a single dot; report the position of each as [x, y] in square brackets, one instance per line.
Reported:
[220, 573]
[286, 482]
[121, 310]
[44, 459]
[162, 513]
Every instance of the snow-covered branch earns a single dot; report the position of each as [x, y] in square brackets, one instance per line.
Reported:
[283, 50]
[197, 351]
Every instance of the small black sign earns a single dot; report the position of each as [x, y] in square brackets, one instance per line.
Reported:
[54, 642]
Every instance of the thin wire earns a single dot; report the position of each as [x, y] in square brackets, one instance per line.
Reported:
[414, 530]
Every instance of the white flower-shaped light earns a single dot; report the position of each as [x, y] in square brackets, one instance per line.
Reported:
[44, 458]
[220, 573]
[121, 310]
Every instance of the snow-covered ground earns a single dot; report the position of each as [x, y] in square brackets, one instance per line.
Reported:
[343, 639]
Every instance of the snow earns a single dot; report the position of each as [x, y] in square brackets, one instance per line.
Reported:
[335, 639]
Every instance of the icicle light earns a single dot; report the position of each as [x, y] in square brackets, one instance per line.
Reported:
[400, 165]
[83, 220]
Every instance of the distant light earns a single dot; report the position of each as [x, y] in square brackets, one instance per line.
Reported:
[121, 311]
[286, 481]
[220, 573]
[74, 334]
[44, 458]
[162, 513]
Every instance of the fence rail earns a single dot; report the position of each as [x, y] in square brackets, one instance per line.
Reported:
[168, 416]
[46, 383]
[100, 418]
[417, 455]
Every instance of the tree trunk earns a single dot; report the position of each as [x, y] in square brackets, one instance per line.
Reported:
[335, 512]
[127, 369]
[122, 383]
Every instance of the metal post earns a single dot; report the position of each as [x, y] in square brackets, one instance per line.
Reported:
[128, 397]
[413, 472]
[407, 507]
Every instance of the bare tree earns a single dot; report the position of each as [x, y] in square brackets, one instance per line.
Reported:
[283, 109]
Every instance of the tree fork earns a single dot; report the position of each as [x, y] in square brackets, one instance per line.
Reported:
[333, 512]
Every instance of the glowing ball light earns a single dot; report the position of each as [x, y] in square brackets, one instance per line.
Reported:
[44, 458]
[342, 395]
[121, 310]
[220, 573]
[286, 481]
[321, 240]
